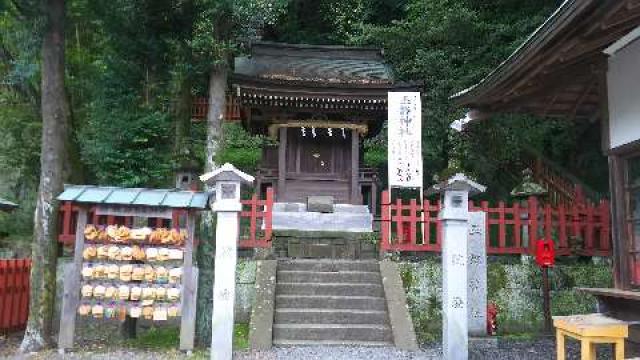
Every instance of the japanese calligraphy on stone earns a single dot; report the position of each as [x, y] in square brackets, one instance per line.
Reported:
[405, 140]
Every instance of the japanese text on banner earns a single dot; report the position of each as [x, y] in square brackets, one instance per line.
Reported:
[405, 140]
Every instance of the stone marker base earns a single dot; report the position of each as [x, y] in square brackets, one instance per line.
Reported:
[322, 245]
[344, 218]
[483, 342]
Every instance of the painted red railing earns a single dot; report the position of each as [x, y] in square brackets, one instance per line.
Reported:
[14, 293]
[580, 229]
[256, 214]
[200, 107]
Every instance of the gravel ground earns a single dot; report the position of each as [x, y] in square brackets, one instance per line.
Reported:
[540, 349]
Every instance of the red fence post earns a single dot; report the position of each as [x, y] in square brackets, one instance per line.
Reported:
[426, 233]
[484, 205]
[4, 292]
[562, 227]
[17, 293]
[532, 209]
[24, 296]
[605, 223]
[268, 215]
[252, 217]
[385, 224]
[589, 229]
[438, 227]
[66, 219]
[517, 227]
[502, 234]
[414, 219]
[398, 220]
[575, 221]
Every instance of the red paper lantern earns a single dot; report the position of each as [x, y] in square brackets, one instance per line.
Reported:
[545, 253]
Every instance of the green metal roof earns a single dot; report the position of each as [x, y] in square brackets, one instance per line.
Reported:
[314, 64]
[172, 198]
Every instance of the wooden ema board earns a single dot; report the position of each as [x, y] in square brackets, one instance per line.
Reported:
[71, 300]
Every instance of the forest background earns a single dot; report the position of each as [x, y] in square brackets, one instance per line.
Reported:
[133, 68]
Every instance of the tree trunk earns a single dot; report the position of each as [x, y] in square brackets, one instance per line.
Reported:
[182, 155]
[206, 248]
[215, 114]
[55, 113]
[183, 118]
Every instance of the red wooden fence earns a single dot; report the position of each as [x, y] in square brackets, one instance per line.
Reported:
[256, 213]
[580, 229]
[14, 293]
[200, 107]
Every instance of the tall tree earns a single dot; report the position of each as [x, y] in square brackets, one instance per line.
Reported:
[218, 32]
[55, 115]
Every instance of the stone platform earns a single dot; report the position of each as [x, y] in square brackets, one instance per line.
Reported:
[344, 218]
[323, 245]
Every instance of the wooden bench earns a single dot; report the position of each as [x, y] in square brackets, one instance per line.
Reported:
[590, 330]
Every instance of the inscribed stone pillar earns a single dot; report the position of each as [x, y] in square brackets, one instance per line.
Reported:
[226, 181]
[455, 218]
[224, 288]
[477, 275]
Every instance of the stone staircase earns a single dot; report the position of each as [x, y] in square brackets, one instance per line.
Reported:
[330, 302]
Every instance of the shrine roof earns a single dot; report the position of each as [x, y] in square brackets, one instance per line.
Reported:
[314, 65]
[172, 198]
[559, 70]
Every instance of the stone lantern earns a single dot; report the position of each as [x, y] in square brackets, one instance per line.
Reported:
[527, 188]
[225, 182]
[186, 175]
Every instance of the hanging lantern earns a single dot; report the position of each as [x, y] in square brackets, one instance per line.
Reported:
[344, 134]
[330, 131]
[304, 131]
[313, 131]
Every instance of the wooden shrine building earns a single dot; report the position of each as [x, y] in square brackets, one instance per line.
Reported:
[319, 103]
[582, 64]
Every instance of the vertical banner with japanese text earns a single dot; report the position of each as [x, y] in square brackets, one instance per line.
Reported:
[405, 140]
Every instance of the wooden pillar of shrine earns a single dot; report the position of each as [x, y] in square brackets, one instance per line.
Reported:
[282, 162]
[355, 167]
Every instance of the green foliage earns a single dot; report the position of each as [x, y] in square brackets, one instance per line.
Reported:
[127, 147]
[168, 338]
[157, 338]
[452, 44]
[241, 148]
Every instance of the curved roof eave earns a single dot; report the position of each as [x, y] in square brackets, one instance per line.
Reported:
[561, 17]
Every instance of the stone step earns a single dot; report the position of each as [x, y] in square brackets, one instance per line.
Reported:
[329, 265]
[294, 343]
[342, 289]
[331, 332]
[331, 302]
[329, 316]
[294, 276]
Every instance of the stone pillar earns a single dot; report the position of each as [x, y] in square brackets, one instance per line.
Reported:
[455, 218]
[224, 288]
[226, 181]
[477, 274]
